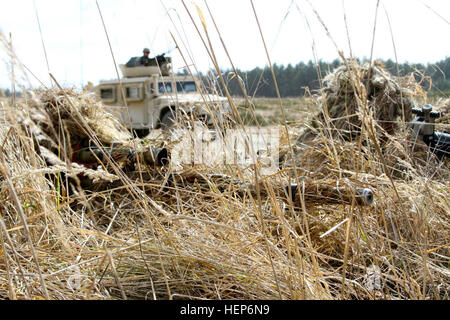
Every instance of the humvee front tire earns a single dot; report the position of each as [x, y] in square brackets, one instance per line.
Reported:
[141, 133]
[167, 120]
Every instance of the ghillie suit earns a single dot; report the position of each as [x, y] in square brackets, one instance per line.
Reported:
[443, 106]
[76, 135]
[361, 105]
[58, 120]
[352, 92]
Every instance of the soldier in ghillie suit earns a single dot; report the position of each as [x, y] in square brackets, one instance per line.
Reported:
[351, 97]
[354, 91]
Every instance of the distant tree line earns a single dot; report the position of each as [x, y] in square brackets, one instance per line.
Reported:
[8, 93]
[295, 80]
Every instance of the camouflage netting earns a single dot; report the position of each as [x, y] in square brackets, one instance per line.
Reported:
[353, 87]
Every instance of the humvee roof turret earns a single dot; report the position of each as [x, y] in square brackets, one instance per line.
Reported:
[154, 95]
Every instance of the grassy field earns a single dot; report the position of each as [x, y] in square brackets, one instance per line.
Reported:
[298, 110]
[69, 232]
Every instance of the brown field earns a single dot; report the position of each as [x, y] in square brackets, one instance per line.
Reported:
[298, 110]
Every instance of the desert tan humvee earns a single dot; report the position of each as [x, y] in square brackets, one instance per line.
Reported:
[155, 97]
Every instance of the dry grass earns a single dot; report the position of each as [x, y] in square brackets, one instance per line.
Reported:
[139, 237]
[68, 232]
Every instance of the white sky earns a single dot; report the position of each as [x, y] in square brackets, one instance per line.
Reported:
[78, 51]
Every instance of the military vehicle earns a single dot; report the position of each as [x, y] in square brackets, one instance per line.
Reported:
[155, 96]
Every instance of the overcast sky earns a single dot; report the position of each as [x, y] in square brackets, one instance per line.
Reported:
[78, 51]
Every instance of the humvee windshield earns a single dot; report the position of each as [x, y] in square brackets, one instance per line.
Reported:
[165, 87]
[182, 87]
[186, 86]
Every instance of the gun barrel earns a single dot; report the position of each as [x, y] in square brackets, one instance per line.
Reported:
[153, 157]
[362, 196]
[156, 157]
[88, 155]
[315, 194]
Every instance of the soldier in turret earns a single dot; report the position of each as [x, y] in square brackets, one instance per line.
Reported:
[145, 59]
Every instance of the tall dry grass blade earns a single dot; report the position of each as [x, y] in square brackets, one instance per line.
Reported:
[12, 190]
[116, 276]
